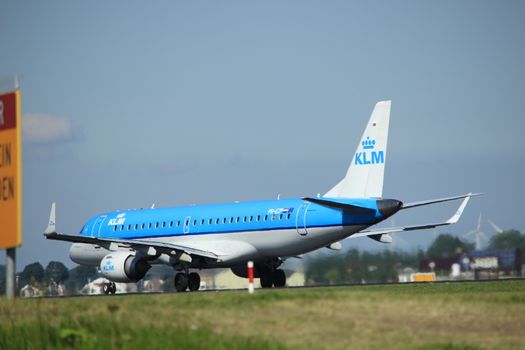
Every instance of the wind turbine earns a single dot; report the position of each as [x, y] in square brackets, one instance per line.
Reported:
[494, 226]
[478, 234]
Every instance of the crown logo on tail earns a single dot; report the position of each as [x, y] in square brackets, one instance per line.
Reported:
[368, 144]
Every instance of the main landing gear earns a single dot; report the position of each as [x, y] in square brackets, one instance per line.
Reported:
[109, 288]
[268, 271]
[270, 274]
[184, 280]
[275, 278]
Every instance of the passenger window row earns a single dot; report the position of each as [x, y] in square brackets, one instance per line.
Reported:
[196, 222]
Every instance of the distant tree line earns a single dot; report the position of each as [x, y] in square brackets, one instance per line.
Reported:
[352, 266]
[384, 266]
[55, 273]
[357, 267]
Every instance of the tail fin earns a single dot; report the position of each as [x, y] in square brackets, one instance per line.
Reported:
[51, 226]
[364, 177]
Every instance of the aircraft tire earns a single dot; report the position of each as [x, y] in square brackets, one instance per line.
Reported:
[106, 288]
[194, 281]
[112, 288]
[266, 280]
[181, 282]
[279, 278]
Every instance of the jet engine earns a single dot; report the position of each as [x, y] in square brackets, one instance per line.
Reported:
[124, 267]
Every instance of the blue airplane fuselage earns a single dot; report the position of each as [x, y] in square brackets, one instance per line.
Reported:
[266, 215]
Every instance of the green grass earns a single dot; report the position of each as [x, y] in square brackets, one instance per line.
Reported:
[106, 334]
[488, 315]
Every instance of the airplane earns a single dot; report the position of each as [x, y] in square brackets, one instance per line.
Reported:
[124, 244]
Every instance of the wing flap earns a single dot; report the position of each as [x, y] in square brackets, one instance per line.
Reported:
[226, 250]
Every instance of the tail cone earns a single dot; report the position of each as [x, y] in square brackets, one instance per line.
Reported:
[388, 207]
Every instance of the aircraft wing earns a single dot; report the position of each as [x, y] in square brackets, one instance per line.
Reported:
[136, 244]
[149, 247]
[226, 250]
[376, 233]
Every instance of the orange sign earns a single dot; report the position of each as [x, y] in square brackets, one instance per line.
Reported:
[10, 170]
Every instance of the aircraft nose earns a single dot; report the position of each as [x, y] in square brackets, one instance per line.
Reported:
[388, 207]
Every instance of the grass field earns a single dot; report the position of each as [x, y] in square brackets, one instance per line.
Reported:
[487, 315]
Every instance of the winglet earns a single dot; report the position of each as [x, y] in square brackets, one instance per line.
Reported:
[457, 215]
[51, 226]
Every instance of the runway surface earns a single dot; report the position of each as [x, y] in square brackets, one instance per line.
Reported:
[349, 285]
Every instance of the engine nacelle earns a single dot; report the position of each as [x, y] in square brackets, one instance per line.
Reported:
[124, 267]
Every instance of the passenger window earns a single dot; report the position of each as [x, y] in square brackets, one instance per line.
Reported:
[163, 224]
[266, 218]
[231, 220]
[156, 225]
[202, 222]
[122, 228]
[244, 219]
[142, 226]
[280, 216]
[223, 220]
[149, 225]
[171, 224]
[114, 228]
[194, 222]
[251, 218]
[258, 218]
[288, 216]
[178, 223]
[217, 221]
[237, 220]
[136, 227]
[210, 221]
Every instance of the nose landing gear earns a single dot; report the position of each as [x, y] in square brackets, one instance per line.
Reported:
[109, 288]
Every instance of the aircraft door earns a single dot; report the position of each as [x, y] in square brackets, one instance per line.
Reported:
[300, 219]
[186, 227]
[95, 230]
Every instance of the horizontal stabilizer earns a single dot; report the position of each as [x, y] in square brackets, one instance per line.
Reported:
[439, 200]
[385, 231]
[342, 206]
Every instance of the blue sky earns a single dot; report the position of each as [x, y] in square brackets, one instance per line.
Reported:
[126, 104]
